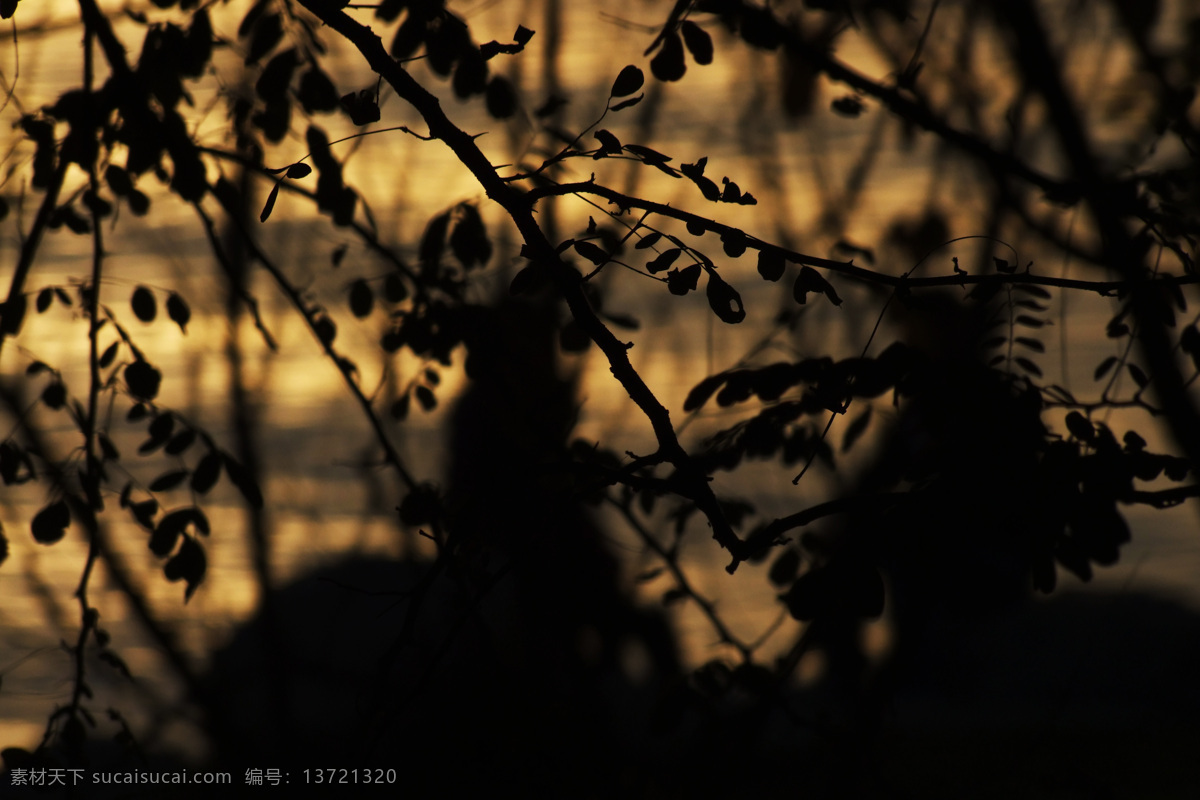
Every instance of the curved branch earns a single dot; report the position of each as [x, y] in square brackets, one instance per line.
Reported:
[538, 249]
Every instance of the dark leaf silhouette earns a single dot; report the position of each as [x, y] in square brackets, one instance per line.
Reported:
[44, 298]
[663, 260]
[680, 282]
[724, 300]
[426, 398]
[1105, 367]
[178, 311]
[809, 280]
[501, 98]
[143, 303]
[143, 380]
[189, 565]
[624, 104]
[362, 299]
[591, 252]
[668, 63]
[55, 395]
[50, 524]
[848, 106]
[1139, 377]
[698, 42]
[207, 471]
[628, 81]
[168, 480]
[771, 264]
[609, 144]
[317, 92]
[180, 442]
[270, 204]
[649, 240]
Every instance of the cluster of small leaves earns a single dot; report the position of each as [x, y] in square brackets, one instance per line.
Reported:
[450, 50]
[669, 63]
[262, 30]
[1026, 305]
[170, 433]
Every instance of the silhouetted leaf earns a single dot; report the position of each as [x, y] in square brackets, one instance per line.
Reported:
[1105, 367]
[273, 82]
[1028, 366]
[1080, 427]
[325, 328]
[649, 240]
[143, 303]
[270, 204]
[180, 442]
[809, 280]
[178, 311]
[624, 104]
[501, 99]
[471, 74]
[317, 92]
[850, 105]
[663, 260]
[1032, 344]
[426, 398]
[591, 252]
[680, 282]
[299, 171]
[143, 380]
[733, 241]
[628, 81]
[1139, 377]
[362, 299]
[771, 263]
[609, 144]
[169, 480]
[668, 63]
[189, 564]
[698, 42]
[361, 106]
[207, 472]
[55, 395]
[724, 300]
[702, 391]
[50, 524]
[44, 298]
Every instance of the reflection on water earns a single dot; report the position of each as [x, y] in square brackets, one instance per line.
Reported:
[820, 180]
